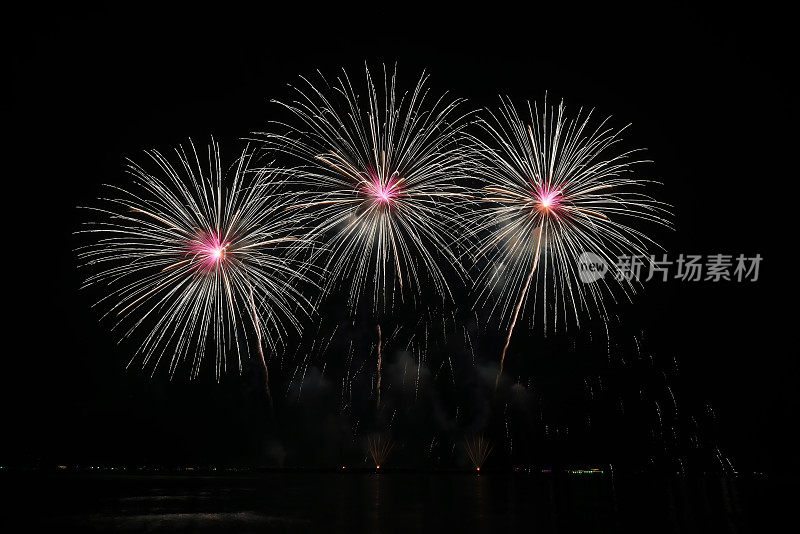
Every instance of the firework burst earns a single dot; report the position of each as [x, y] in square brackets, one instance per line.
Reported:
[379, 448]
[381, 174]
[197, 259]
[478, 449]
[554, 188]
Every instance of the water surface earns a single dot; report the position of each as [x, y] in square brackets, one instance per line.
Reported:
[384, 502]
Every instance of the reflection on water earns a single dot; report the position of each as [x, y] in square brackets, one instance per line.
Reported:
[385, 502]
[374, 494]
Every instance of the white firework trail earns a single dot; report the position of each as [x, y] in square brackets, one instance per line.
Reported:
[382, 174]
[196, 258]
[554, 187]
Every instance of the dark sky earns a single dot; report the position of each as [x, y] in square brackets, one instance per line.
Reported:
[707, 93]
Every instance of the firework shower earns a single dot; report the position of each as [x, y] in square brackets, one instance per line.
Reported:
[302, 268]
[379, 193]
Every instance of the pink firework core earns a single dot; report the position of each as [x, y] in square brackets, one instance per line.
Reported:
[383, 193]
[209, 251]
[547, 200]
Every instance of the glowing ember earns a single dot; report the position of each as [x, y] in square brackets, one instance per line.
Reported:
[547, 200]
[209, 251]
[383, 193]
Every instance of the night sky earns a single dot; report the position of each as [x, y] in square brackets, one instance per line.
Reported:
[706, 92]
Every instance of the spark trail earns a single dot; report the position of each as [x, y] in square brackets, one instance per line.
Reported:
[195, 259]
[555, 187]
